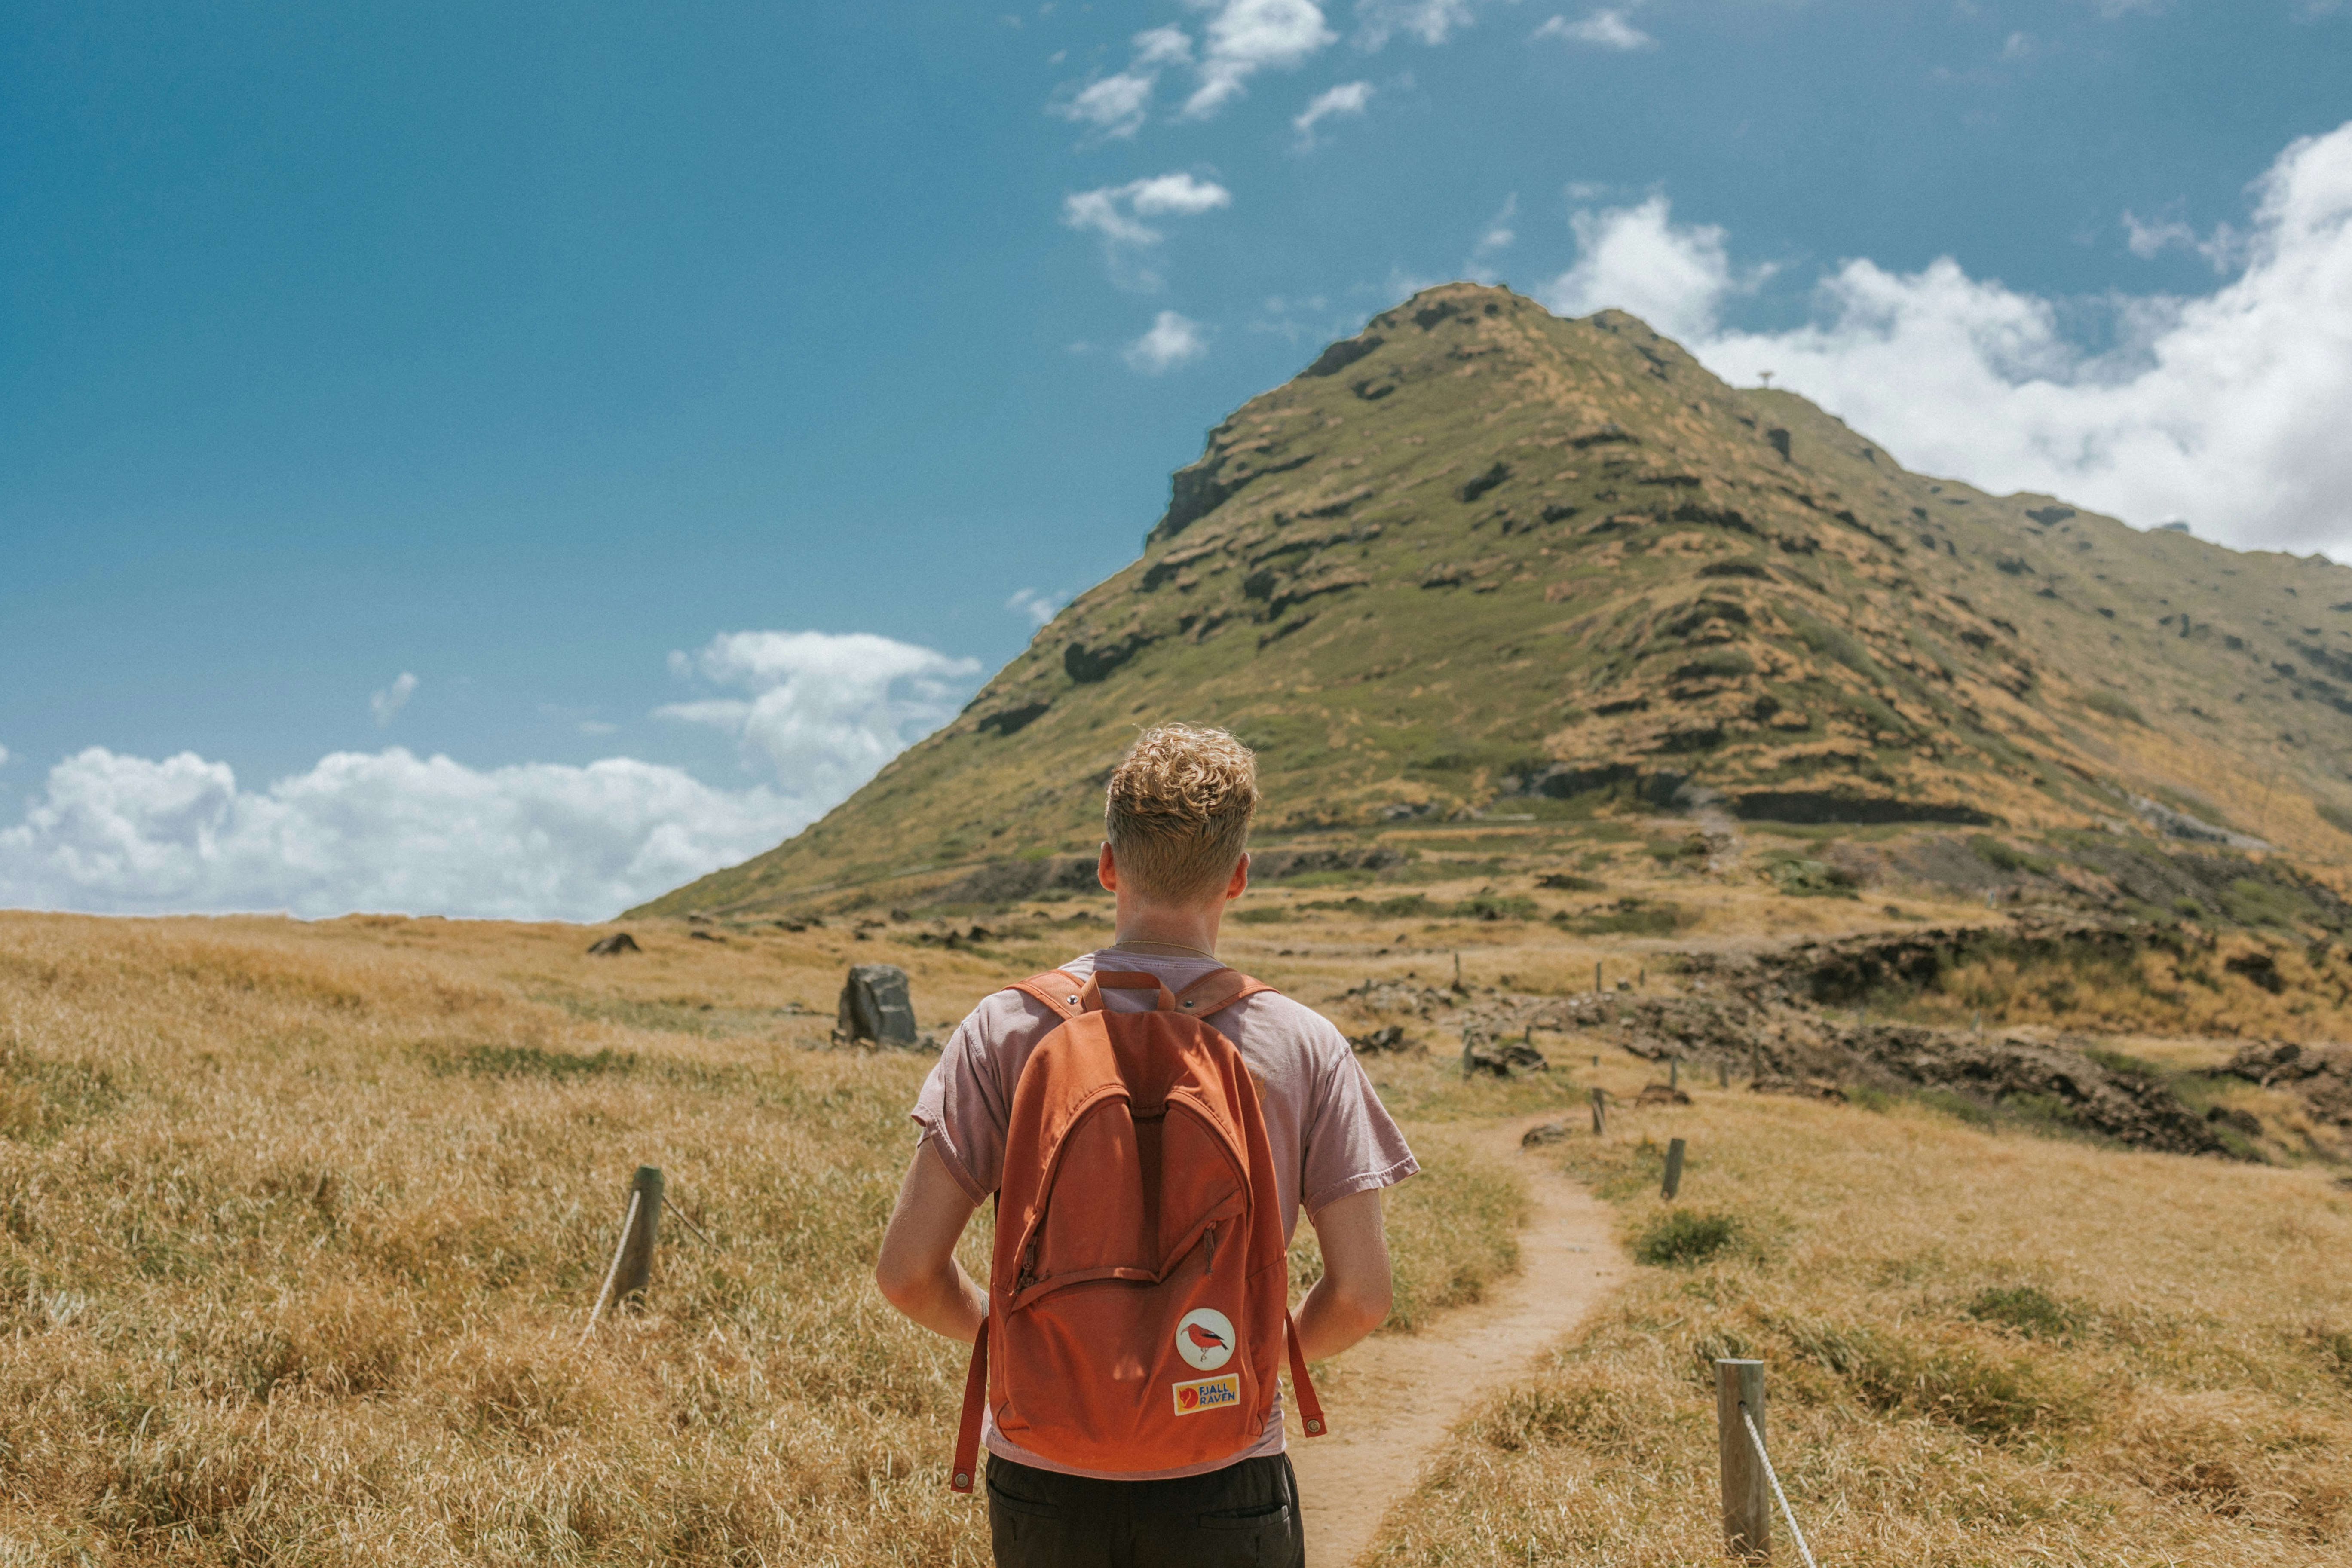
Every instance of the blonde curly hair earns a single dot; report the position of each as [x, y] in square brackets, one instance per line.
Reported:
[1178, 810]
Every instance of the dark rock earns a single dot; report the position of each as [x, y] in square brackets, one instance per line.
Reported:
[1012, 720]
[2320, 1075]
[1388, 1038]
[2259, 967]
[1086, 665]
[1501, 1058]
[1779, 439]
[620, 941]
[2244, 1121]
[1274, 864]
[1343, 353]
[1661, 1094]
[1486, 481]
[1549, 1133]
[1811, 807]
[875, 1006]
[706, 936]
[1804, 1089]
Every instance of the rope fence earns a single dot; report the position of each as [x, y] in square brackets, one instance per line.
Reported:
[1765, 1460]
[1751, 1485]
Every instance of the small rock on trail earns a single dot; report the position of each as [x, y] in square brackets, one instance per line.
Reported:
[619, 942]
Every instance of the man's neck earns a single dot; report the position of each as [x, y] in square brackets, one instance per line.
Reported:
[1182, 929]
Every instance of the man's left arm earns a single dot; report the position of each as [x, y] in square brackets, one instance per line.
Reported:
[1354, 1295]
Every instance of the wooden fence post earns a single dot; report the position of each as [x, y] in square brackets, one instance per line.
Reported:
[1746, 1495]
[1722, 1074]
[1599, 1112]
[1673, 1168]
[636, 1270]
[1673, 1072]
[1596, 975]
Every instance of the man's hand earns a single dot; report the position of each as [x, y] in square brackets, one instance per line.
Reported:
[1353, 1297]
[917, 1270]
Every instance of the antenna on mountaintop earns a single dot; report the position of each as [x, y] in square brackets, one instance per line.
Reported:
[1766, 376]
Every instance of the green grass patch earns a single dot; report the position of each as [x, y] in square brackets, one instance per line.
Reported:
[1680, 1237]
[2028, 1309]
[1628, 917]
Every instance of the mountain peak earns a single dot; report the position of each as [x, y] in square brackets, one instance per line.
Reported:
[1480, 558]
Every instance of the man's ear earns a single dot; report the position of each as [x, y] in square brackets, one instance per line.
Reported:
[1238, 882]
[1106, 868]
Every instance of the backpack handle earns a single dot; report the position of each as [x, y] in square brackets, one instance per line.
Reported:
[1090, 999]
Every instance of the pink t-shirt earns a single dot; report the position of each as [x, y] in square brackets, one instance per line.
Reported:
[1329, 1134]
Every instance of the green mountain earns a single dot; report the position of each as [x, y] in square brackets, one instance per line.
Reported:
[1482, 560]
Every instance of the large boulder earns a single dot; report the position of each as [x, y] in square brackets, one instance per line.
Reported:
[875, 1006]
[612, 946]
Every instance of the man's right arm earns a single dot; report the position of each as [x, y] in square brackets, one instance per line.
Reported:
[917, 1270]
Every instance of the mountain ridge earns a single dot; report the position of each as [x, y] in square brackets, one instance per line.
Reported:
[1482, 559]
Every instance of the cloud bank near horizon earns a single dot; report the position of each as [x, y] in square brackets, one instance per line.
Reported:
[815, 713]
[2225, 409]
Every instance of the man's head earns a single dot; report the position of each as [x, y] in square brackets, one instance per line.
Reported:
[1178, 812]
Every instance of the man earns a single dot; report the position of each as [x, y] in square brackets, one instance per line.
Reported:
[1176, 819]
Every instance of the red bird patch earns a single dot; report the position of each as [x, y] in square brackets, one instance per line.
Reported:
[1203, 1337]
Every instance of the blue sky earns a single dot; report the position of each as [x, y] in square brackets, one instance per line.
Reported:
[716, 397]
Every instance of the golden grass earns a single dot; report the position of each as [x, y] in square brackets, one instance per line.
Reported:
[1980, 1349]
[299, 1225]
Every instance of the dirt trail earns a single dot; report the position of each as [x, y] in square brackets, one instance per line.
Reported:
[1394, 1398]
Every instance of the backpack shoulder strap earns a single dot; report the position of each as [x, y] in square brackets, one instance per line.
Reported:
[1056, 990]
[1217, 990]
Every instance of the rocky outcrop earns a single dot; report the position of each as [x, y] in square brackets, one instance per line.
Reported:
[876, 1007]
[2320, 1075]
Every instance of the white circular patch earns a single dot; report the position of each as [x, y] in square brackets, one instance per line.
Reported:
[1205, 1339]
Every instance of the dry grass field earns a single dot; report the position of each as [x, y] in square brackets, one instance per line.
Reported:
[299, 1225]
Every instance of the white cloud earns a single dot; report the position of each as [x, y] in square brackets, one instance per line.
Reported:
[388, 831]
[2225, 408]
[1608, 28]
[824, 711]
[1347, 98]
[2226, 249]
[597, 727]
[391, 831]
[1499, 235]
[2019, 46]
[1675, 278]
[388, 702]
[1431, 21]
[4, 756]
[1116, 105]
[1172, 340]
[1116, 213]
[1036, 607]
[1247, 36]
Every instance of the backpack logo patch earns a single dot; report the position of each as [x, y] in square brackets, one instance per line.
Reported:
[1204, 1338]
[1208, 1393]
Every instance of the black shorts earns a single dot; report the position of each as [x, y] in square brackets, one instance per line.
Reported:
[1244, 1516]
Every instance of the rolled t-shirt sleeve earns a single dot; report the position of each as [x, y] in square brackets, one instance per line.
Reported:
[963, 1110]
[1352, 1143]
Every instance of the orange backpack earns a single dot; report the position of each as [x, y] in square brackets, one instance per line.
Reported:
[1138, 1301]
